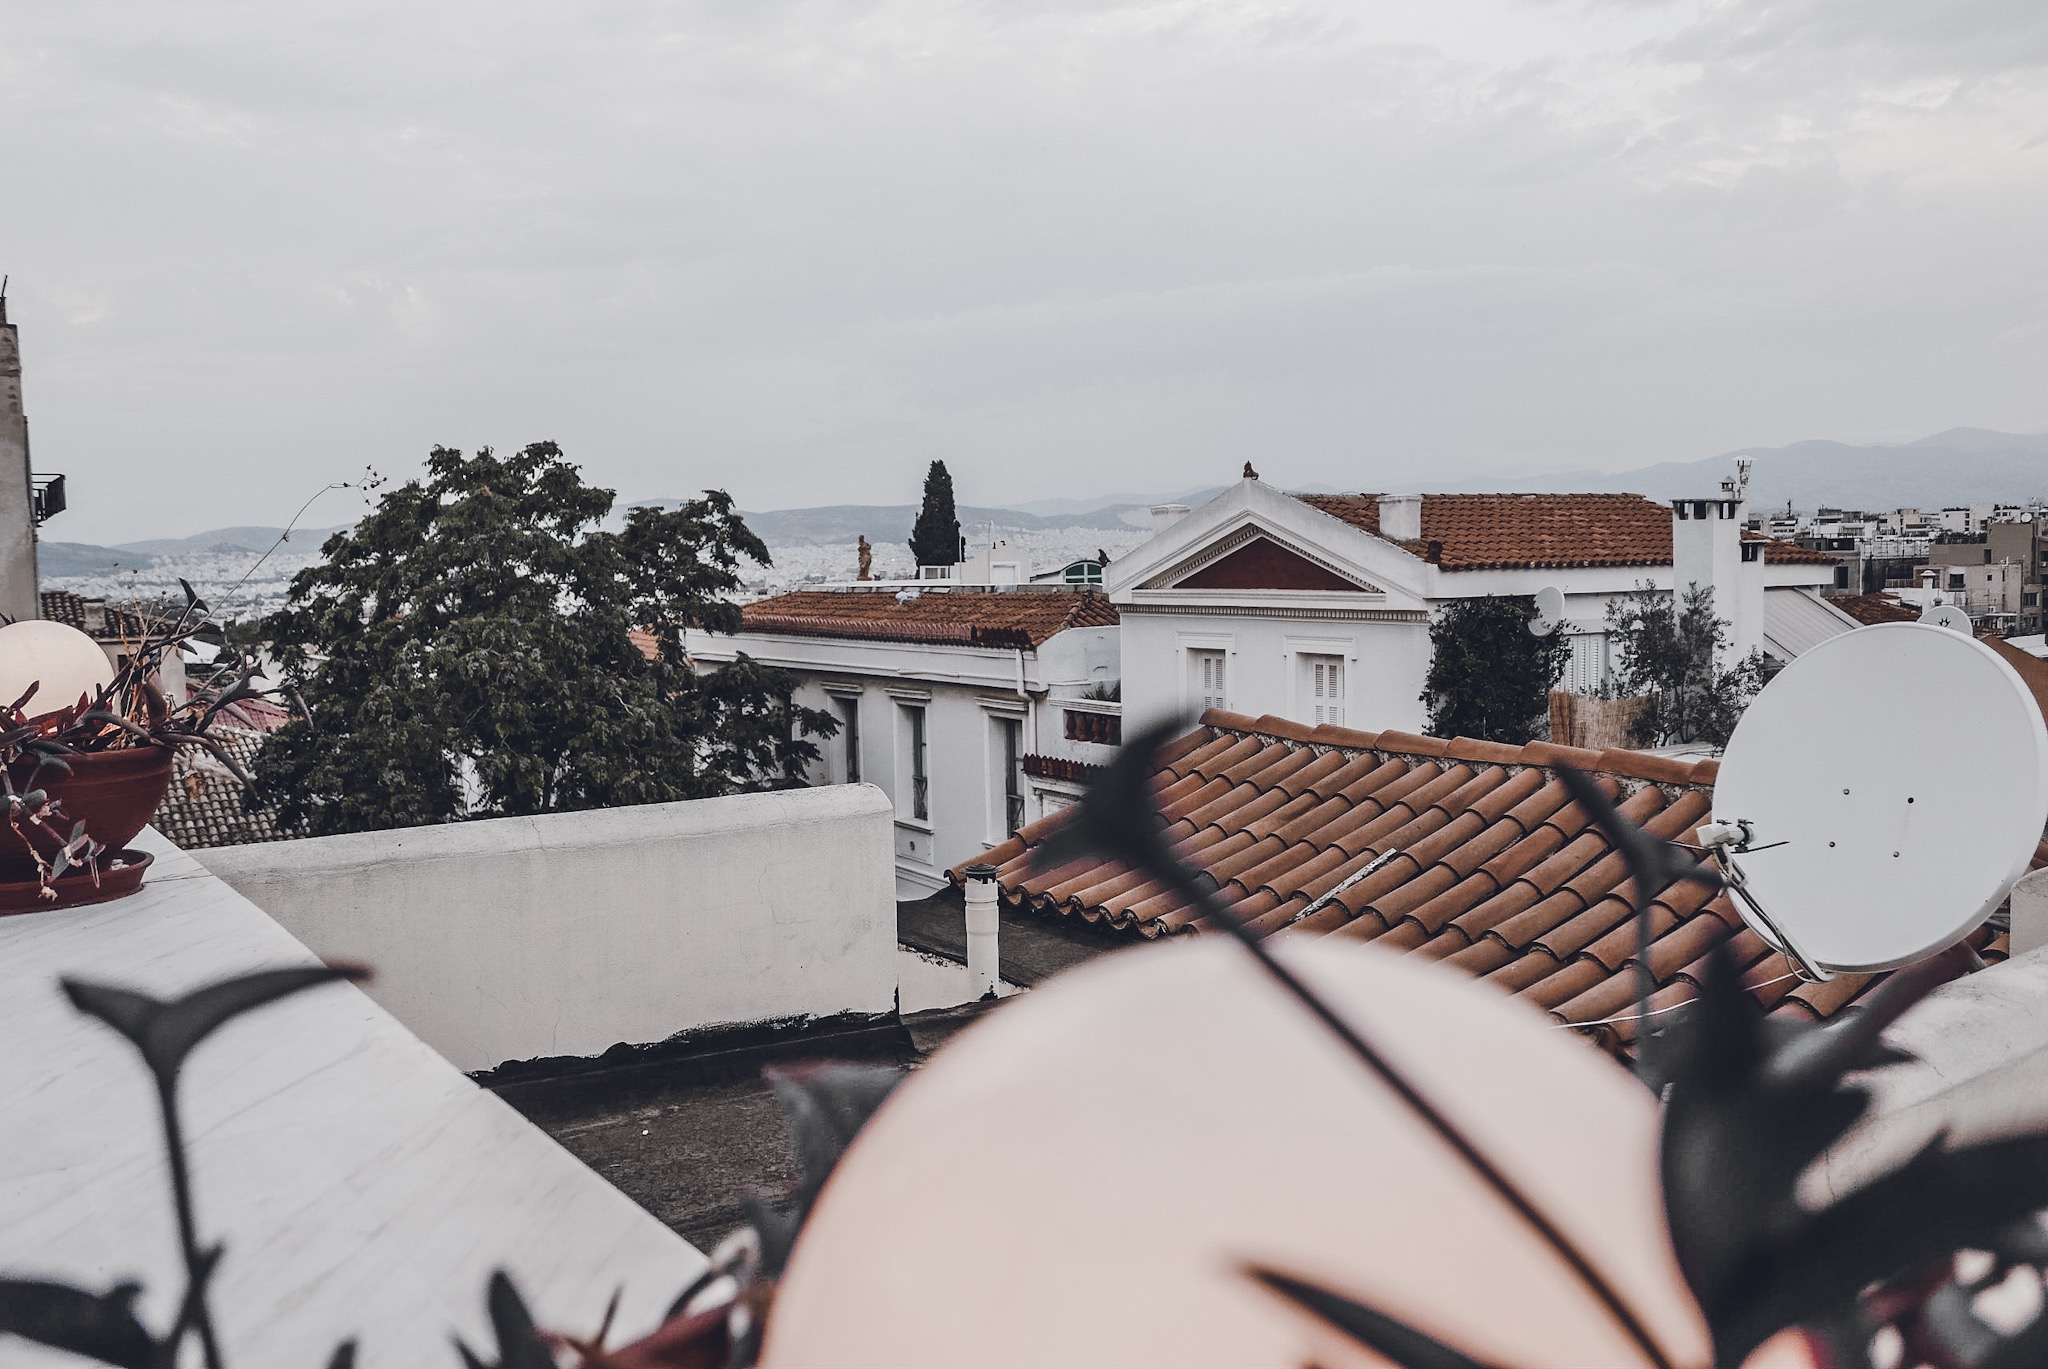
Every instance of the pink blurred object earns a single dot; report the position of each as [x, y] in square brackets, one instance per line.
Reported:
[1081, 1179]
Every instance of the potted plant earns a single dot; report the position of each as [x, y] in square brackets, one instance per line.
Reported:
[86, 750]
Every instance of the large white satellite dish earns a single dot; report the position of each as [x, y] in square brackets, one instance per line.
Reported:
[1889, 787]
[1549, 611]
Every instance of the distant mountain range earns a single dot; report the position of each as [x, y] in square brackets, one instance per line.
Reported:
[84, 558]
[1960, 466]
[881, 523]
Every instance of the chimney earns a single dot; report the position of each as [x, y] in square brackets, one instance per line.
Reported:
[1707, 550]
[1165, 516]
[1401, 517]
[983, 957]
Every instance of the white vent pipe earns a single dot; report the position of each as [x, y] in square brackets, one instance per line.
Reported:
[983, 960]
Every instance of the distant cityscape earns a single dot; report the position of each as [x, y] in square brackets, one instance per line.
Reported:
[245, 573]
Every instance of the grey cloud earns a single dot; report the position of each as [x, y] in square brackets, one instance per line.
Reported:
[800, 248]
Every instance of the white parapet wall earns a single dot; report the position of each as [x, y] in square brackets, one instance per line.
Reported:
[1979, 1073]
[564, 935]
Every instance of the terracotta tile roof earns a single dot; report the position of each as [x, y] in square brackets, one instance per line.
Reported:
[1874, 608]
[1463, 851]
[1022, 617]
[1508, 531]
[94, 617]
[204, 804]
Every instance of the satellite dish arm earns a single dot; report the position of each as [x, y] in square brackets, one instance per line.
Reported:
[1722, 840]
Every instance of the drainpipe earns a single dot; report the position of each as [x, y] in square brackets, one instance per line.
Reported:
[982, 956]
[1030, 712]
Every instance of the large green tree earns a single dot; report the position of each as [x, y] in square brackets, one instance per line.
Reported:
[1667, 648]
[467, 650]
[935, 539]
[1490, 677]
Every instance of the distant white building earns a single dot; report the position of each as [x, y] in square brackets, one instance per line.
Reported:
[976, 709]
[1316, 608]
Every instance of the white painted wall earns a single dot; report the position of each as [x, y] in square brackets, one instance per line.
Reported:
[964, 691]
[518, 938]
[925, 982]
[1385, 661]
[363, 1187]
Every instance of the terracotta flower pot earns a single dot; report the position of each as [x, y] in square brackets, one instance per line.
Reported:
[115, 793]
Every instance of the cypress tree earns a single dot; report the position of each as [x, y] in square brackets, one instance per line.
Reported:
[935, 540]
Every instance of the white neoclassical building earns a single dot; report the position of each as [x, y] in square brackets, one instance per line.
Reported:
[1316, 607]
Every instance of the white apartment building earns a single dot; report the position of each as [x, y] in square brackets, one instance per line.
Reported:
[976, 709]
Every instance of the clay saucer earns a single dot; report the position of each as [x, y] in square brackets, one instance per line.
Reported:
[120, 875]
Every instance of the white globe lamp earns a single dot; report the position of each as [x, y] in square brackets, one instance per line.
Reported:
[59, 660]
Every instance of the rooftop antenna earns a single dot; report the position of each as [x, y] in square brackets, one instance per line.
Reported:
[1853, 857]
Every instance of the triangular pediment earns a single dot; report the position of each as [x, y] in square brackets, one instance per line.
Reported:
[1250, 559]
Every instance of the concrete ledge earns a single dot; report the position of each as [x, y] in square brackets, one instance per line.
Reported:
[361, 1186]
[1981, 1073]
[568, 934]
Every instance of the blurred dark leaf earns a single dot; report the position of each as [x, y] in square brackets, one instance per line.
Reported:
[1953, 1323]
[1118, 816]
[1654, 865]
[519, 1345]
[165, 1033]
[2026, 1348]
[344, 1356]
[824, 1107]
[100, 1326]
[1398, 1341]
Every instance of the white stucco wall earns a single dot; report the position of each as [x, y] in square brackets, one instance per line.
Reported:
[1386, 663]
[964, 691]
[563, 935]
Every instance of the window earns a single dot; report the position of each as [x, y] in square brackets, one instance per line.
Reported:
[1322, 688]
[915, 801]
[849, 734]
[1205, 679]
[1008, 754]
[1586, 669]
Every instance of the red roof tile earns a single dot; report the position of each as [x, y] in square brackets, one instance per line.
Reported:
[1007, 618]
[1869, 609]
[1475, 856]
[1508, 531]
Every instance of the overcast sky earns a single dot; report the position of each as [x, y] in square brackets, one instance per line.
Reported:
[799, 249]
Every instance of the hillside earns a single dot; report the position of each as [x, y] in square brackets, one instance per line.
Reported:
[1960, 466]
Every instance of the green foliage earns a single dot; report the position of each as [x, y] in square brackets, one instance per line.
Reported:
[1489, 676]
[935, 540]
[464, 651]
[1665, 648]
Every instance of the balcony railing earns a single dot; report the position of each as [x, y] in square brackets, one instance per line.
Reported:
[1104, 729]
[1060, 768]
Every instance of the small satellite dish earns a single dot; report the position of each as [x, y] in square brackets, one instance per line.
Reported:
[1881, 797]
[1549, 611]
[1948, 616]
